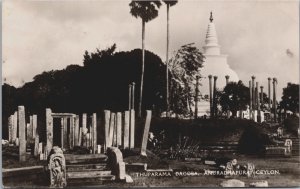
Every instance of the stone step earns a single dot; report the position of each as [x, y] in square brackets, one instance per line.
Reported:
[88, 174]
[86, 158]
[218, 150]
[219, 147]
[84, 167]
[86, 182]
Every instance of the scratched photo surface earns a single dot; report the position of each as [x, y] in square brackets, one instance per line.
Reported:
[162, 93]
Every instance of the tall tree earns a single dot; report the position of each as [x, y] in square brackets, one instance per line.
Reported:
[147, 11]
[169, 3]
[235, 96]
[184, 67]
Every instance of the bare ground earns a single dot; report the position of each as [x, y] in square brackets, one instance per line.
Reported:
[288, 167]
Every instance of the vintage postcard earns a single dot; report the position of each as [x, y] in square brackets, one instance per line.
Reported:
[150, 93]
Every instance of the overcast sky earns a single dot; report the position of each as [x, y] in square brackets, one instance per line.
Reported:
[261, 38]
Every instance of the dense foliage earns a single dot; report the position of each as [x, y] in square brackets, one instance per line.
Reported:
[290, 98]
[184, 66]
[102, 83]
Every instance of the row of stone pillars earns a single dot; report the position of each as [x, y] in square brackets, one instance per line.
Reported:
[212, 95]
[22, 134]
[116, 133]
[71, 134]
[256, 99]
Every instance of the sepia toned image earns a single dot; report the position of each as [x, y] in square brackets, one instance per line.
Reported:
[150, 93]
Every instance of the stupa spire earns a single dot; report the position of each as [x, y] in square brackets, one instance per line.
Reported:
[211, 46]
[211, 17]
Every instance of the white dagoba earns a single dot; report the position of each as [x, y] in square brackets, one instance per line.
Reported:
[215, 64]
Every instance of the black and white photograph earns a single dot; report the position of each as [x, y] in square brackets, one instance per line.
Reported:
[150, 93]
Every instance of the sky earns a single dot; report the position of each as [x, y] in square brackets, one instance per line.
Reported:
[261, 38]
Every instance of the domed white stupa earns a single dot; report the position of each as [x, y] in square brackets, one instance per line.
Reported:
[215, 64]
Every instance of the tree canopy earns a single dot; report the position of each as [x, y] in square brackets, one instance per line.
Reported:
[290, 98]
[234, 97]
[184, 66]
[146, 10]
[102, 83]
[170, 2]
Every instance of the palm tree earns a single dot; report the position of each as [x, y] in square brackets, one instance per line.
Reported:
[147, 11]
[169, 3]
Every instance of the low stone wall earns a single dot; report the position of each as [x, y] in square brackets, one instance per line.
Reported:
[35, 175]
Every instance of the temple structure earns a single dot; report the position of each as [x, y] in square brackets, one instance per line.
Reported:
[215, 64]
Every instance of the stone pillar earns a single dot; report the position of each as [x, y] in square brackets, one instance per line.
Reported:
[71, 136]
[126, 130]
[227, 79]
[261, 96]
[257, 96]
[35, 135]
[80, 137]
[22, 134]
[210, 96]
[30, 134]
[257, 102]
[146, 133]
[98, 149]
[40, 150]
[27, 133]
[62, 133]
[87, 143]
[36, 144]
[250, 91]
[76, 130]
[84, 130]
[10, 129]
[66, 142]
[129, 100]
[119, 129]
[91, 137]
[15, 124]
[197, 96]
[94, 121]
[132, 129]
[269, 93]
[84, 121]
[49, 125]
[111, 130]
[115, 132]
[253, 93]
[214, 96]
[132, 93]
[34, 126]
[106, 127]
[274, 99]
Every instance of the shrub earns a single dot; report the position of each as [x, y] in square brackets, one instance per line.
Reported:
[292, 124]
